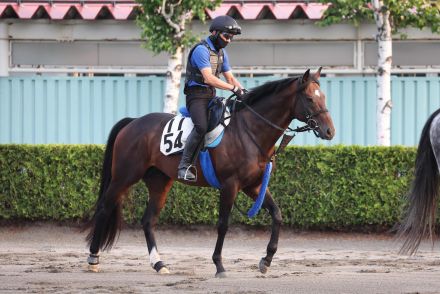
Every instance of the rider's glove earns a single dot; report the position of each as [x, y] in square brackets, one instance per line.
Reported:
[238, 92]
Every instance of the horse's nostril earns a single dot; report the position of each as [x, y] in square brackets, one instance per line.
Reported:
[329, 132]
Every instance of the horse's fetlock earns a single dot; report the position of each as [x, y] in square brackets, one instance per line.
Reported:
[93, 259]
[266, 261]
[272, 249]
[216, 259]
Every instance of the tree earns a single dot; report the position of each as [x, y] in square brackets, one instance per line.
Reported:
[163, 24]
[390, 16]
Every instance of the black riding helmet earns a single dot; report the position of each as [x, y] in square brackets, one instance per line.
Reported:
[225, 23]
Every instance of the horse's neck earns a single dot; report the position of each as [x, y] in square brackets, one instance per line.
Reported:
[278, 112]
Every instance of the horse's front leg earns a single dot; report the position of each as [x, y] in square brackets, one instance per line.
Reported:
[275, 213]
[227, 198]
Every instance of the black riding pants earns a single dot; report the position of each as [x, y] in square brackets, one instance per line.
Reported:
[197, 100]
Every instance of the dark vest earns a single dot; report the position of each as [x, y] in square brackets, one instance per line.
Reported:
[216, 60]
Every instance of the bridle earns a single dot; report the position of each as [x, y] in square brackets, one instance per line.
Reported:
[311, 123]
[288, 133]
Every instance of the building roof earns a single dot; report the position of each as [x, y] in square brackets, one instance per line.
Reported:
[126, 9]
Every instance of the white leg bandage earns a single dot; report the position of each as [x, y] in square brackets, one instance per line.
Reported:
[154, 256]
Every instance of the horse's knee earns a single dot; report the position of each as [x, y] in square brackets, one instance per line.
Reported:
[148, 222]
[277, 217]
[222, 226]
[151, 216]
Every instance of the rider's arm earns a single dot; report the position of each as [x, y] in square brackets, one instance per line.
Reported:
[227, 71]
[200, 58]
[212, 80]
[231, 79]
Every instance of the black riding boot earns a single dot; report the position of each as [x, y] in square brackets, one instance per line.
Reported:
[189, 156]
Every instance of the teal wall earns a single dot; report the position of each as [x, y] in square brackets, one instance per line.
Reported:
[62, 110]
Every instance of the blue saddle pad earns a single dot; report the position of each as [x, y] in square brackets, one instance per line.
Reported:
[184, 111]
[208, 169]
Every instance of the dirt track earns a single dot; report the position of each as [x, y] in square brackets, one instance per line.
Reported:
[48, 258]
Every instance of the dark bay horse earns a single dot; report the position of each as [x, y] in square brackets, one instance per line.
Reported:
[132, 154]
[421, 207]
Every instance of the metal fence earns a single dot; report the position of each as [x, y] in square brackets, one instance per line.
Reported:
[63, 110]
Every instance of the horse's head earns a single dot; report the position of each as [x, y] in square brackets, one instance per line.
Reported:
[311, 107]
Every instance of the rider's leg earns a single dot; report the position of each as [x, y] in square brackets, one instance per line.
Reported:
[191, 146]
[197, 106]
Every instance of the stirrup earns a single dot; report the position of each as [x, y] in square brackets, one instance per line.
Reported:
[187, 170]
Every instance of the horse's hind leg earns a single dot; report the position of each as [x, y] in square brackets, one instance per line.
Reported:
[158, 185]
[107, 222]
[108, 217]
[275, 213]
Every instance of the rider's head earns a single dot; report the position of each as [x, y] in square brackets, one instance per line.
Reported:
[223, 29]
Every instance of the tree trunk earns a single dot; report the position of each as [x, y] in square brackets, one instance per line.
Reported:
[384, 103]
[172, 85]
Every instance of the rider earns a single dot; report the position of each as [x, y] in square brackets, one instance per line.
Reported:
[206, 61]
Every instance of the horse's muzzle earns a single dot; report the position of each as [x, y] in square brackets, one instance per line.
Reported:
[326, 133]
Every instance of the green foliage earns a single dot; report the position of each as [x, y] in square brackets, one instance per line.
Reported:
[403, 14]
[48, 182]
[315, 187]
[160, 36]
[355, 11]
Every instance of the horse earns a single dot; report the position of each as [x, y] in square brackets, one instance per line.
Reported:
[260, 118]
[419, 215]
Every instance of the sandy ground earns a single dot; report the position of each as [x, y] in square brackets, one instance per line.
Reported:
[46, 258]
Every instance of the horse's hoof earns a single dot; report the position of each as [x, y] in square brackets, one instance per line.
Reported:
[161, 268]
[262, 266]
[93, 268]
[163, 271]
[221, 275]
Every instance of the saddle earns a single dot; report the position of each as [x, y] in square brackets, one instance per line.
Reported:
[177, 130]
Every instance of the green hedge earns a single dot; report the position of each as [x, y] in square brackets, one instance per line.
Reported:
[316, 187]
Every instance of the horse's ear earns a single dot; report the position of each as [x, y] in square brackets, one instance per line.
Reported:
[306, 76]
[318, 73]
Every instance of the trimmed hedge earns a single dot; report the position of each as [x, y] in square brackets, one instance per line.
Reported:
[315, 187]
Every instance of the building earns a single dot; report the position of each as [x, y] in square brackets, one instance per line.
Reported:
[100, 37]
[69, 69]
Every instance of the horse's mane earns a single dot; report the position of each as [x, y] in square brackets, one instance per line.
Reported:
[268, 88]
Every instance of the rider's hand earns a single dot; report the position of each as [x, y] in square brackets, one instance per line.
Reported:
[238, 92]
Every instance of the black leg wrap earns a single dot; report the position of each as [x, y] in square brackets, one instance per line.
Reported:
[93, 259]
[159, 265]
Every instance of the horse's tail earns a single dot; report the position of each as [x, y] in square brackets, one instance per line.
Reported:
[108, 235]
[420, 212]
